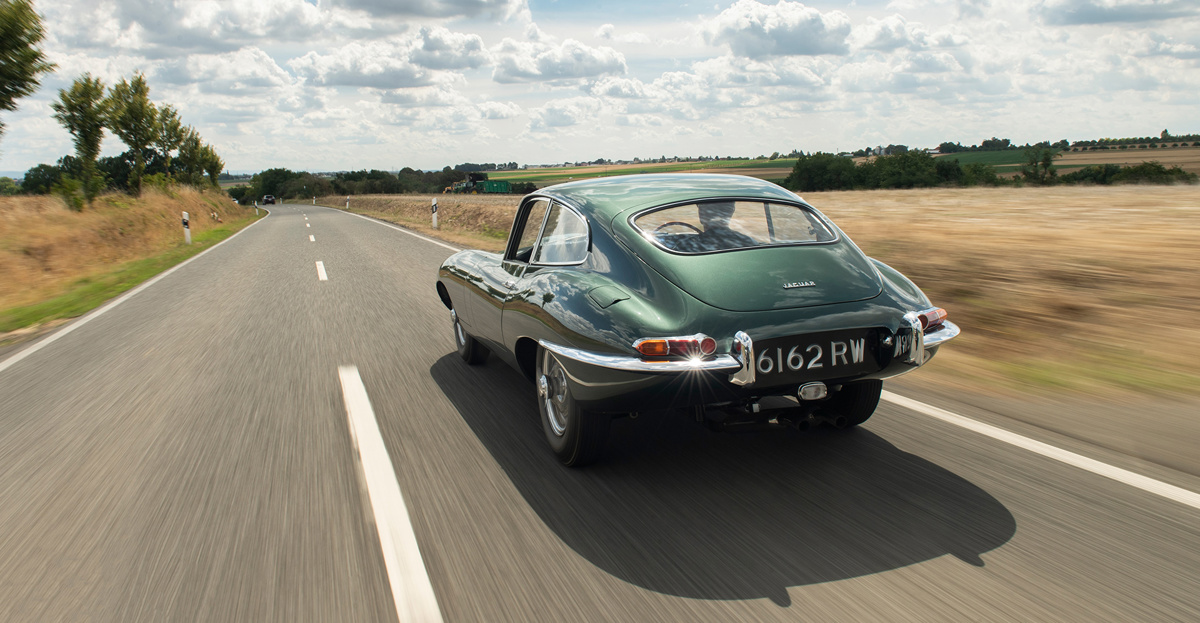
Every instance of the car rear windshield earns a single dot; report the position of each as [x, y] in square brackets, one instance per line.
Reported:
[708, 226]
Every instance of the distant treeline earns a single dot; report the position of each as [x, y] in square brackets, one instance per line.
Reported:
[1164, 139]
[288, 184]
[915, 169]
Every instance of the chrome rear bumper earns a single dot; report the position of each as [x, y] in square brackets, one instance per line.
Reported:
[637, 364]
[739, 364]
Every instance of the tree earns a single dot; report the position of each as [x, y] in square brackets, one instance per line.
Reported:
[1038, 166]
[170, 134]
[212, 163]
[40, 179]
[21, 58]
[83, 111]
[271, 181]
[134, 119]
[191, 158]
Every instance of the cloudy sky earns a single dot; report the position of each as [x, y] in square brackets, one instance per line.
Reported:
[326, 85]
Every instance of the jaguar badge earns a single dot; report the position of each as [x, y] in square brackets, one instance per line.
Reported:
[799, 284]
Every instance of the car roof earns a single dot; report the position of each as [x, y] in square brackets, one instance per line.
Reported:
[605, 197]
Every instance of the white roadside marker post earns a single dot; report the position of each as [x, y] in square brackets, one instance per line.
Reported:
[347, 203]
[435, 213]
[187, 230]
[314, 200]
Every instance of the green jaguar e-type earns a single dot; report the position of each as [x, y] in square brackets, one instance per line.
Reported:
[723, 297]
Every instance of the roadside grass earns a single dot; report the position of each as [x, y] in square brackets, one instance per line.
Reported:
[91, 292]
[57, 264]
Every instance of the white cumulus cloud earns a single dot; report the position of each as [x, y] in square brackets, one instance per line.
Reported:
[564, 112]
[537, 61]
[756, 30]
[376, 64]
[439, 48]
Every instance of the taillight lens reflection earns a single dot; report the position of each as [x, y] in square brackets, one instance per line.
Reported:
[932, 318]
[698, 345]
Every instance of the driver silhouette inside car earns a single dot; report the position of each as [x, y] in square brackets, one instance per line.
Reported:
[717, 235]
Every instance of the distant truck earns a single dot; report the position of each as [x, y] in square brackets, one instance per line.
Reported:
[478, 183]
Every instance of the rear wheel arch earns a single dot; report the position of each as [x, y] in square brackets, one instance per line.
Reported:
[526, 352]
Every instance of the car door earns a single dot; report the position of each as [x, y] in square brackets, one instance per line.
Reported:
[563, 242]
[499, 281]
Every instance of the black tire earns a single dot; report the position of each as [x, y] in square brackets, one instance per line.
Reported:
[576, 437]
[855, 401]
[469, 348]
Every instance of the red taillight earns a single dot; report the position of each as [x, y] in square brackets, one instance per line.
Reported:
[687, 346]
[932, 317]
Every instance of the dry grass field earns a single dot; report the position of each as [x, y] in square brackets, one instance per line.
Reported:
[44, 247]
[1087, 289]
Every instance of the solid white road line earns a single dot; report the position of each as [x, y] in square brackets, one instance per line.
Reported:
[1157, 487]
[412, 592]
[411, 233]
[321, 276]
[311, 238]
[54, 337]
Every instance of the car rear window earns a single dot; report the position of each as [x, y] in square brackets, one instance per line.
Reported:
[705, 227]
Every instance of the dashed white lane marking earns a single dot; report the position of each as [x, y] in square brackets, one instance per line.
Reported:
[308, 224]
[54, 337]
[321, 276]
[311, 238]
[412, 592]
[1150, 485]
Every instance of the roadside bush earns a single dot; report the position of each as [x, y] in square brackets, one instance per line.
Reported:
[1094, 174]
[1154, 172]
[239, 193]
[523, 188]
[910, 169]
[980, 174]
[69, 190]
[821, 171]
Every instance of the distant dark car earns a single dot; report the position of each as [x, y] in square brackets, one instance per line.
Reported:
[723, 297]
[269, 199]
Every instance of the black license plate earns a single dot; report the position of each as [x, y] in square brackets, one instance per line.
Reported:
[814, 356]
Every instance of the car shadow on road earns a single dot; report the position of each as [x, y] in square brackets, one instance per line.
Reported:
[683, 511]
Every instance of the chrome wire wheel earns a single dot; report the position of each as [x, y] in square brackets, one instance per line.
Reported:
[576, 436]
[553, 387]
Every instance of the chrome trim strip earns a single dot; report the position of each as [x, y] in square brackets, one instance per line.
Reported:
[636, 364]
[948, 332]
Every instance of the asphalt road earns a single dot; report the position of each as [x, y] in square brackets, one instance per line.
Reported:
[187, 456]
